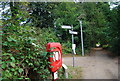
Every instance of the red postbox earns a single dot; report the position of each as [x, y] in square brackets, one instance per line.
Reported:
[55, 58]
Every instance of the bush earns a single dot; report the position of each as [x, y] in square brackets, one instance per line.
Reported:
[23, 52]
[66, 47]
[23, 46]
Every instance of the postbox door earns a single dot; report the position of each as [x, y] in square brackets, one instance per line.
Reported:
[55, 58]
[55, 61]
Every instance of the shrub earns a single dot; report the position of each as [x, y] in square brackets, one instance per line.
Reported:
[22, 52]
[23, 49]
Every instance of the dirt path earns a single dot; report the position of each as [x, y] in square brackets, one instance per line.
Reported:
[96, 66]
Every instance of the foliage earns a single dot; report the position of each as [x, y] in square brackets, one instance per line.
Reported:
[66, 47]
[41, 14]
[95, 23]
[114, 35]
[23, 48]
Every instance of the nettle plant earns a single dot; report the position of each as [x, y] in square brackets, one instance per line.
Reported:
[22, 54]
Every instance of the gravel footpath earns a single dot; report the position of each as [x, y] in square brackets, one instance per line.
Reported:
[96, 66]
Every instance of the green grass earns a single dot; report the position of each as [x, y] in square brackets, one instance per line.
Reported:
[74, 72]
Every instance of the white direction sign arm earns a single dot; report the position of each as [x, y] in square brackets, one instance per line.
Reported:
[72, 32]
[66, 27]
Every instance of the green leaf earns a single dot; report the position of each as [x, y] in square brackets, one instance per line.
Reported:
[30, 64]
[39, 72]
[27, 61]
[52, 48]
[27, 78]
[15, 73]
[5, 43]
[12, 64]
[13, 59]
[12, 69]
[20, 78]
[20, 70]
[4, 66]
[9, 39]
[35, 68]
[7, 54]
[51, 55]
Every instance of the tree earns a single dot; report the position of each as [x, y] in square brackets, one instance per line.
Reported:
[114, 30]
[96, 23]
[41, 14]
